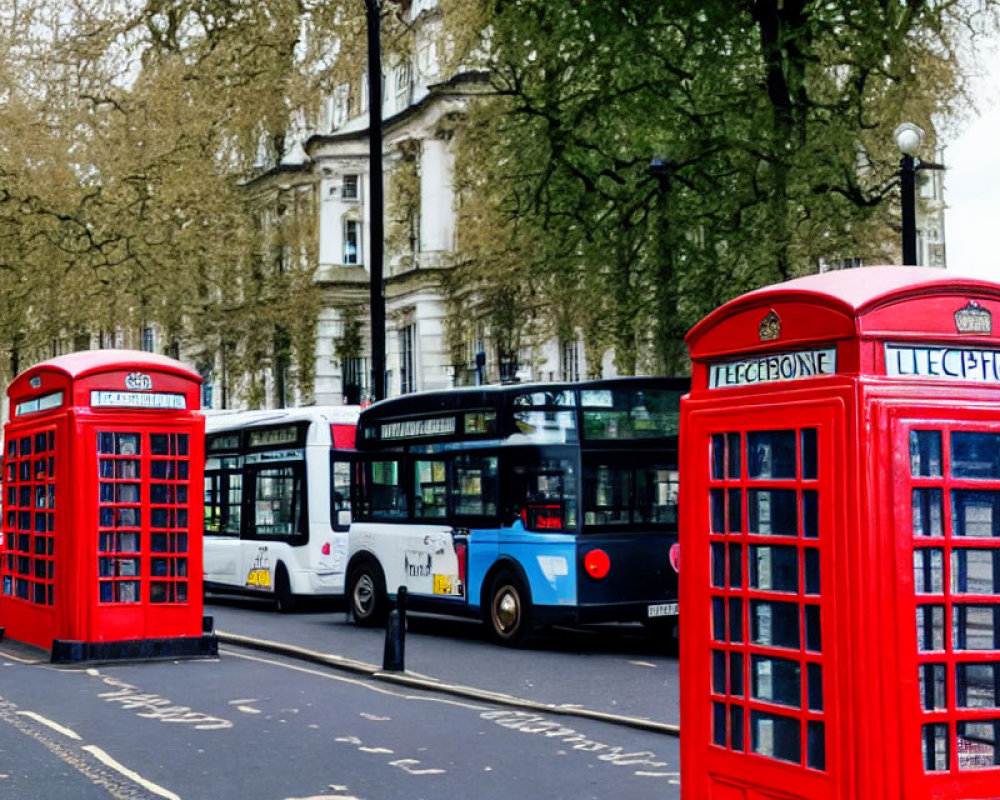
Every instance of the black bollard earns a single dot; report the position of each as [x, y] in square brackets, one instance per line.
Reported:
[395, 635]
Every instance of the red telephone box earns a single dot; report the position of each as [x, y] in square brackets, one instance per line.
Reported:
[840, 530]
[102, 512]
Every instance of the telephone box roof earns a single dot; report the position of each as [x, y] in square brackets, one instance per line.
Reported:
[848, 293]
[88, 362]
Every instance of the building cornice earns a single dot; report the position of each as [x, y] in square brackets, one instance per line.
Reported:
[458, 84]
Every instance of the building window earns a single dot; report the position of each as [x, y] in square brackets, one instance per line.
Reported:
[407, 359]
[148, 343]
[355, 380]
[350, 188]
[352, 241]
[341, 106]
[402, 80]
[570, 366]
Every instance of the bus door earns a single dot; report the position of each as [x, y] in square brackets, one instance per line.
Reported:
[223, 507]
[276, 517]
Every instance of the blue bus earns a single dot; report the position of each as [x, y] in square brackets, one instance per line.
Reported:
[522, 505]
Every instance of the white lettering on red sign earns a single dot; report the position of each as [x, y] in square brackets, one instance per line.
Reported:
[773, 367]
[979, 365]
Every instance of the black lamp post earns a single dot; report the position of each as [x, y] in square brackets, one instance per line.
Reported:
[376, 283]
[908, 137]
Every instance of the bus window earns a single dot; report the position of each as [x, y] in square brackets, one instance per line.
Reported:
[545, 417]
[608, 494]
[475, 485]
[340, 512]
[544, 494]
[278, 503]
[629, 494]
[616, 414]
[656, 495]
[223, 497]
[430, 496]
[381, 494]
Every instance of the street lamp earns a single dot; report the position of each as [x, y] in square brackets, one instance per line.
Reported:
[373, 9]
[908, 138]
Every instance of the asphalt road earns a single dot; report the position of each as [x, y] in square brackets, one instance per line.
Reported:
[256, 724]
[617, 669]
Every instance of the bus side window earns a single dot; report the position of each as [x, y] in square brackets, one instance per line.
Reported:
[340, 475]
[544, 495]
[213, 515]
[380, 491]
[475, 485]
[278, 502]
[223, 498]
[430, 489]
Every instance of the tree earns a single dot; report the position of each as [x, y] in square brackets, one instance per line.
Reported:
[776, 116]
[135, 127]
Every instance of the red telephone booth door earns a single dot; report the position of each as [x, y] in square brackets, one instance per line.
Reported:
[143, 555]
[946, 519]
[31, 578]
[765, 492]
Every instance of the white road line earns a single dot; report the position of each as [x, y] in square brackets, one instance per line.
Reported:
[69, 734]
[108, 761]
[19, 659]
[364, 683]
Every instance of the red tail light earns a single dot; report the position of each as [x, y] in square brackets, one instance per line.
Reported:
[326, 548]
[462, 553]
[675, 557]
[597, 563]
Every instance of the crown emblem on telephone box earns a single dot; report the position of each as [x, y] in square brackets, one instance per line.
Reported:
[973, 318]
[770, 326]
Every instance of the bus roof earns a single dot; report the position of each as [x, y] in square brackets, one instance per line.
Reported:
[472, 397]
[226, 419]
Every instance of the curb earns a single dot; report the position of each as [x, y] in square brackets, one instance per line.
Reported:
[430, 685]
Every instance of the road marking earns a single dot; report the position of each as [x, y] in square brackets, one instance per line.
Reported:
[328, 796]
[69, 734]
[135, 777]
[20, 660]
[153, 706]
[408, 765]
[364, 682]
[525, 722]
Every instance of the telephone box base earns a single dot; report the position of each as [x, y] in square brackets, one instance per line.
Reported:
[67, 651]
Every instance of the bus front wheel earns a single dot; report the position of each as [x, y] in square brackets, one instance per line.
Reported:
[509, 614]
[366, 588]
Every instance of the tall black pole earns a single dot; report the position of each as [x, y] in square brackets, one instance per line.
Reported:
[376, 288]
[908, 200]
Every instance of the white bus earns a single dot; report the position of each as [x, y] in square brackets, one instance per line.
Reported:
[277, 501]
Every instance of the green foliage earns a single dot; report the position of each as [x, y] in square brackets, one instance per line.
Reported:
[131, 130]
[132, 125]
[776, 115]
